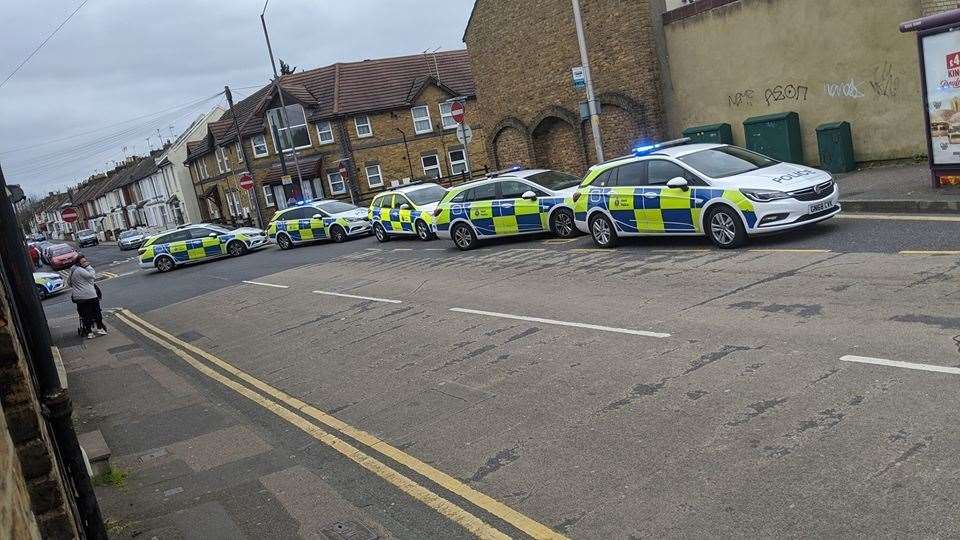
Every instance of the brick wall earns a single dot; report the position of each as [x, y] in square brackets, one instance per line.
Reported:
[16, 518]
[929, 7]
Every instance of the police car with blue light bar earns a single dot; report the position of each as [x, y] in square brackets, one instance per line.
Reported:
[724, 191]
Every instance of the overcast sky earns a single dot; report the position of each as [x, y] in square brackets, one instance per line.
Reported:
[119, 60]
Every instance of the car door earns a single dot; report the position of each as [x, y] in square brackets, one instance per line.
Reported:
[175, 244]
[480, 208]
[626, 203]
[676, 206]
[512, 213]
[318, 222]
[201, 244]
[405, 215]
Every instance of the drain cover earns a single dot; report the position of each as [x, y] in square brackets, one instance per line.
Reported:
[348, 530]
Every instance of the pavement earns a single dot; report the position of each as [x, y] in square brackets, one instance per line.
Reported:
[535, 387]
[900, 187]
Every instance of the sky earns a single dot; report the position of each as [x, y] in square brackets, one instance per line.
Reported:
[119, 70]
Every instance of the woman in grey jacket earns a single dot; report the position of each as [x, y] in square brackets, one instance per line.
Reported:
[86, 295]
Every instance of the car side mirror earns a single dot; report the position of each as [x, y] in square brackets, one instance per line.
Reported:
[404, 206]
[678, 183]
[316, 216]
[529, 195]
[212, 235]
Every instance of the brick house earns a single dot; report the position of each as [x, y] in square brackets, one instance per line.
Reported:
[387, 120]
[529, 106]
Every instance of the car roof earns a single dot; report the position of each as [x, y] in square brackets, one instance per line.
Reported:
[684, 149]
[410, 187]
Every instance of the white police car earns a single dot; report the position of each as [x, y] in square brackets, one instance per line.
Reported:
[724, 191]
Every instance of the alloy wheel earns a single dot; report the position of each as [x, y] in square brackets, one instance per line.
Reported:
[722, 228]
[462, 237]
[601, 231]
[563, 224]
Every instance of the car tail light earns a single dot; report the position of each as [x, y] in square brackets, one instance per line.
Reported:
[576, 196]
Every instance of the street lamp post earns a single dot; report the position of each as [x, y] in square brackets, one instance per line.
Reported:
[588, 78]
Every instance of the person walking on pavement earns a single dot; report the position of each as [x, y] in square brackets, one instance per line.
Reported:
[86, 295]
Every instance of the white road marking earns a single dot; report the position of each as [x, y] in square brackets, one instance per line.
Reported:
[386, 300]
[129, 273]
[562, 323]
[789, 250]
[527, 249]
[403, 249]
[931, 252]
[899, 217]
[373, 249]
[267, 284]
[899, 364]
[435, 249]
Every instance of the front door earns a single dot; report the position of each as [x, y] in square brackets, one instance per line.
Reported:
[675, 206]
[480, 202]
[202, 245]
[512, 213]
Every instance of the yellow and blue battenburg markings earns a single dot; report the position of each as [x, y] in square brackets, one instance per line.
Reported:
[306, 230]
[502, 216]
[193, 249]
[396, 220]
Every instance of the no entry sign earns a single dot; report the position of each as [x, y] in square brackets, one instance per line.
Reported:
[246, 181]
[457, 111]
[69, 215]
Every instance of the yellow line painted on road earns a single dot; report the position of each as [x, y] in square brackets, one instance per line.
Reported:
[899, 217]
[460, 516]
[921, 252]
[560, 240]
[495, 507]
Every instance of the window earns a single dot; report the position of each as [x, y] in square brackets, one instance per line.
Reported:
[199, 233]
[632, 174]
[233, 203]
[555, 180]
[447, 117]
[486, 192]
[363, 126]
[458, 162]
[383, 202]
[239, 150]
[373, 176]
[661, 171]
[223, 161]
[726, 161]
[178, 236]
[213, 209]
[280, 196]
[268, 196]
[259, 146]
[202, 165]
[421, 119]
[427, 194]
[324, 132]
[431, 166]
[400, 200]
[511, 189]
[295, 135]
[306, 190]
[162, 210]
[336, 207]
[337, 185]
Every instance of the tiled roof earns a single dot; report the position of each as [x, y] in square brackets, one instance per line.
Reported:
[348, 88]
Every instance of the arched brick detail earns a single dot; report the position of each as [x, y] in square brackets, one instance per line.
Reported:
[509, 144]
[621, 126]
[558, 141]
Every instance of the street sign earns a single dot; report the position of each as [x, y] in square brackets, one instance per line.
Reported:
[286, 179]
[579, 78]
[464, 134]
[246, 181]
[457, 111]
[69, 215]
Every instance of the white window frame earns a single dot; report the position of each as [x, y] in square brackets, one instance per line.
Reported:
[239, 152]
[455, 162]
[223, 159]
[204, 173]
[253, 143]
[328, 131]
[378, 175]
[305, 124]
[366, 124]
[281, 200]
[268, 196]
[422, 118]
[233, 204]
[305, 183]
[437, 166]
[341, 181]
[447, 115]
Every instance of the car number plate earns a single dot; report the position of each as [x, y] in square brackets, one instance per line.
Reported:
[819, 207]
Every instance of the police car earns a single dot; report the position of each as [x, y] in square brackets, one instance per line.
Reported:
[406, 211]
[48, 283]
[726, 192]
[193, 243]
[508, 203]
[317, 220]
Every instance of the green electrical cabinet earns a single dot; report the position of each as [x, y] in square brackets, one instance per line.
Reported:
[710, 133]
[835, 144]
[775, 135]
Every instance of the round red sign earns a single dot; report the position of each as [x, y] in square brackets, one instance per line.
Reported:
[69, 215]
[342, 169]
[457, 111]
[246, 181]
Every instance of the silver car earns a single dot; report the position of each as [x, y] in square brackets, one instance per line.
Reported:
[131, 239]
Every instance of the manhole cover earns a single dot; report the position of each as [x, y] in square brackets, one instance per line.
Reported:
[348, 530]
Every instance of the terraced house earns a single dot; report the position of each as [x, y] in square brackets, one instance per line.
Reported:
[387, 120]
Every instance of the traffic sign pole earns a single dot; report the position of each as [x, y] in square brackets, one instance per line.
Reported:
[458, 112]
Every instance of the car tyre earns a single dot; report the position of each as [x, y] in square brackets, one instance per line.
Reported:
[463, 237]
[284, 242]
[602, 231]
[236, 248]
[561, 223]
[423, 231]
[380, 233]
[42, 292]
[337, 234]
[725, 228]
[164, 264]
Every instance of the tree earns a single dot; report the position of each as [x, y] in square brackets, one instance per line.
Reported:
[285, 68]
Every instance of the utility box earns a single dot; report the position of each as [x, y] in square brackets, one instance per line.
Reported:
[835, 144]
[711, 133]
[775, 135]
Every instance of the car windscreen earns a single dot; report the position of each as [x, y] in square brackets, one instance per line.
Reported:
[128, 234]
[85, 232]
[726, 161]
[335, 207]
[554, 180]
[56, 251]
[426, 195]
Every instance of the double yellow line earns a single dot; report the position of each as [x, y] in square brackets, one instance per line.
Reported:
[288, 407]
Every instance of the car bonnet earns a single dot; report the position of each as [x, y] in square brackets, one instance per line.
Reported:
[780, 177]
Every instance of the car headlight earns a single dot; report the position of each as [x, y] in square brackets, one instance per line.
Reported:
[764, 195]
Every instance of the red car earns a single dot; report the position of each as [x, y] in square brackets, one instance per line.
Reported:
[34, 255]
[62, 257]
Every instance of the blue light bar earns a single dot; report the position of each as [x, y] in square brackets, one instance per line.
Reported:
[644, 150]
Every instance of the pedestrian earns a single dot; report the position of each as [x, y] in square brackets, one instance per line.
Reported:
[86, 295]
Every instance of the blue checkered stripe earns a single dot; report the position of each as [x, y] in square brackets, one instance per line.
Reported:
[482, 215]
[666, 214]
[300, 230]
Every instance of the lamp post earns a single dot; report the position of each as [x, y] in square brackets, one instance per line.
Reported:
[588, 78]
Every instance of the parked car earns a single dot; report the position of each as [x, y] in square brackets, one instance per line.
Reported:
[34, 254]
[36, 237]
[48, 283]
[87, 237]
[62, 256]
[194, 243]
[44, 248]
[318, 220]
[131, 239]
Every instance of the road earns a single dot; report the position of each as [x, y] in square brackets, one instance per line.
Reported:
[802, 386]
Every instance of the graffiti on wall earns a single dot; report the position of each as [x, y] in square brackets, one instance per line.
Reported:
[884, 82]
[844, 89]
[740, 99]
[788, 92]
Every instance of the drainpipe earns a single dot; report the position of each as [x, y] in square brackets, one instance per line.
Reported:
[406, 150]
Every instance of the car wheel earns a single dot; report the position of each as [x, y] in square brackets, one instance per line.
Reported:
[338, 234]
[463, 237]
[561, 223]
[423, 232]
[236, 248]
[380, 233]
[164, 264]
[284, 242]
[41, 291]
[604, 236]
[725, 228]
